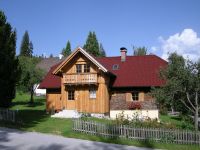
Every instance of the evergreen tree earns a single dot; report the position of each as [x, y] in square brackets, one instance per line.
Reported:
[102, 51]
[92, 45]
[139, 51]
[67, 50]
[51, 56]
[31, 48]
[9, 69]
[26, 48]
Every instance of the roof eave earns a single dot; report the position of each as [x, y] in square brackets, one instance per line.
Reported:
[79, 49]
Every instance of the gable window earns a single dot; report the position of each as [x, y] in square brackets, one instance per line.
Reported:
[78, 68]
[86, 68]
[93, 94]
[135, 96]
[115, 67]
[71, 95]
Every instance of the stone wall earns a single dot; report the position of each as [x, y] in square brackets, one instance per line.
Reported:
[120, 101]
[148, 105]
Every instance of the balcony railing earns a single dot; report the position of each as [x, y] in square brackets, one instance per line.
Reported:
[84, 78]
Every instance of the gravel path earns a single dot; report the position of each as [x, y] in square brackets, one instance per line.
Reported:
[11, 139]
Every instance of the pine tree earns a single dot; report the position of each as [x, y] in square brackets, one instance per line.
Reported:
[9, 68]
[51, 56]
[30, 48]
[102, 51]
[92, 45]
[67, 50]
[26, 48]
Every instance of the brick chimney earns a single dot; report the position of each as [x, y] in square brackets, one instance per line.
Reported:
[123, 51]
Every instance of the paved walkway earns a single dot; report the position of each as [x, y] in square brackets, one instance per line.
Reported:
[11, 139]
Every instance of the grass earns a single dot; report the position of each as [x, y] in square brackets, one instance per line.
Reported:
[177, 121]
[34, 118]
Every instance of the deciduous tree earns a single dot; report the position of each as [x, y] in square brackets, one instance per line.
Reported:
[30, 75]
[182, 85]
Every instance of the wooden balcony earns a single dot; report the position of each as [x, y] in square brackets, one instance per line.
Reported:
[83, 78]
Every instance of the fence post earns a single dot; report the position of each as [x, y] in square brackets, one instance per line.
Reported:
[124, 128]
[124, 131]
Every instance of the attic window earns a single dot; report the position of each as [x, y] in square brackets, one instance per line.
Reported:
[115, 67]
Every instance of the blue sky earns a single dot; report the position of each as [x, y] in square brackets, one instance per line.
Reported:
[161, 25]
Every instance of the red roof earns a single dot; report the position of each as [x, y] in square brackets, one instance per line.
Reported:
[136, 71]
[51, 81]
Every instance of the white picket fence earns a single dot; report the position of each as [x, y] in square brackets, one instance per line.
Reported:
[133, 133]
[7, 115]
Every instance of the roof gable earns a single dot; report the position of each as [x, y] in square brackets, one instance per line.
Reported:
[72, 55]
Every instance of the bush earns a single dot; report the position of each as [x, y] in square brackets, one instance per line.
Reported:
[121, 119]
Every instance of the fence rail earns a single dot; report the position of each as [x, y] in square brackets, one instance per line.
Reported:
[128, 132]
[7, 115]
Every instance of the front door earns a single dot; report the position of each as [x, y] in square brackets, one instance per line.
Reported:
[71, 99]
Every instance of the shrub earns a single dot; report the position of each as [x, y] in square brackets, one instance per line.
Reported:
[134, 105]
[121, 119]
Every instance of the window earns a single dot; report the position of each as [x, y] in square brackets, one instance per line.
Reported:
[92, 93]
[115, 67]
[71, 95]
[86, 68]
[135, 96]
[78, 68]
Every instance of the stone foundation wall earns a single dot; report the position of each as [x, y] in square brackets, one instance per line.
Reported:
[119, 101]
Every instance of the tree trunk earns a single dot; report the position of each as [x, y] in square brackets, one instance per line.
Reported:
[172, 109]
[32, 92]
[196, 115]
[196, 118]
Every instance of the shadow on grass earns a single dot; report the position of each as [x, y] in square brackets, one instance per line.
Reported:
[26, 103]
[147, 143]
[30, 118]
[35, 104]
[26, 119]
[176, 118]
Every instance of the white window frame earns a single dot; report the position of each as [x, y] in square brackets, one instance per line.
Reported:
[92, 94]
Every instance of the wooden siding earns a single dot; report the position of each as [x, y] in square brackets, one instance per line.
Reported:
[53, 100]
[82, 101]
[70, 68]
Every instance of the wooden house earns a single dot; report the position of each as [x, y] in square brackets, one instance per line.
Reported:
[102, 86]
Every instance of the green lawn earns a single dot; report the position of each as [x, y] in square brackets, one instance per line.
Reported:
[177, 122]
[34, 118]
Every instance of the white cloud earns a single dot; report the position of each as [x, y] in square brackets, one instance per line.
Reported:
[186, 43]
[154, 48]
